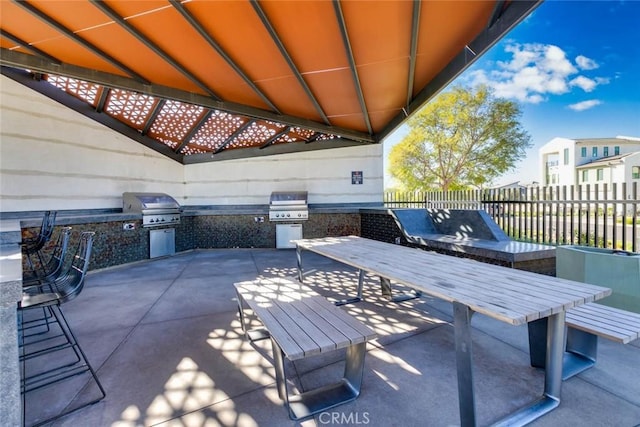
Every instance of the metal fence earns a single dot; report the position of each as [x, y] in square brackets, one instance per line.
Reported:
[604, 216]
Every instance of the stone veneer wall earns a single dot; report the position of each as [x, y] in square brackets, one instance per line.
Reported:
[114, 246]
[111, 244]
[241, 231]
[381, 226]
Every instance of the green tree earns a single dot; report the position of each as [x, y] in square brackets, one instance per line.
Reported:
[464, 138]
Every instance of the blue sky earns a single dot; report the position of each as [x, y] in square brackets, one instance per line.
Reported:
[574, 68]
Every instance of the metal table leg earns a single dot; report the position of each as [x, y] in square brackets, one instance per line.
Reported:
[385, 286]
[358, 296]
[552, 377]
[299, 262]
[464, 363]
[553, 373]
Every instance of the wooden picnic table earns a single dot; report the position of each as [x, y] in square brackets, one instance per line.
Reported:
[512, 296]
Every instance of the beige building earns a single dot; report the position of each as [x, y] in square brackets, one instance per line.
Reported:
[590, 161]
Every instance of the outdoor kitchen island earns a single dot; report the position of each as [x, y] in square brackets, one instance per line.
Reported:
[121, 237]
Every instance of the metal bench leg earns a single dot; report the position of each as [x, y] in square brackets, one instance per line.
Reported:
[281, 379]
[251, 334]
[580, 354]
[354, 368]
[309, 403]
[582, 349]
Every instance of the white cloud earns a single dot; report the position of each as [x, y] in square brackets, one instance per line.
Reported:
[556, 62]
[586, 63]
[585, 105]
[536, 71]
[584, 83]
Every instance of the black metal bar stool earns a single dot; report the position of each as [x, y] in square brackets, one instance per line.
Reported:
[54, 365]
[32, 246]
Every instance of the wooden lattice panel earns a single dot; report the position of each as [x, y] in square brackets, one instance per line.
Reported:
[86, 91]
[257, 134]
[194, 149]
[130, 107]
[326, 137]
[295, 134]
[215, 131]
[174, 122]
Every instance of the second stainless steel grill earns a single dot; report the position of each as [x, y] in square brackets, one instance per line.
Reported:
[157, 209]
[288, 206]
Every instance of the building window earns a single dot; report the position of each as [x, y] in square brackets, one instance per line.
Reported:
[605, 151]
[635, 172]
[583, 151]
[594, 152]
[600, 174]
[566, 156]
[616, 151]
[585, 175]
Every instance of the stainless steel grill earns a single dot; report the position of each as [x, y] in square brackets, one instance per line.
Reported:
[288, 206]
[157, 209]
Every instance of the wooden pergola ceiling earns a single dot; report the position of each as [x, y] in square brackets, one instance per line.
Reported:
[208, 80]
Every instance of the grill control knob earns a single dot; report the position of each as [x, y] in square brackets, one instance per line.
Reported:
[288, 215]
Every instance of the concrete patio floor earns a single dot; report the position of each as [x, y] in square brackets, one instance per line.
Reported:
[165, 339]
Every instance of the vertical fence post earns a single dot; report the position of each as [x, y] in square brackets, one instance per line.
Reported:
[624, 215]
[569, 226]
[580, 214]
[544, 214]
[564, 214]
[596, 220]
[634, 221]
[605, 215]
[589, 204]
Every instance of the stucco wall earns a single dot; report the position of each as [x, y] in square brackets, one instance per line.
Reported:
[325, 174]
[54, 158]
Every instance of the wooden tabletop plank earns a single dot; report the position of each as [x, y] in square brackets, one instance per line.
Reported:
[450, 290]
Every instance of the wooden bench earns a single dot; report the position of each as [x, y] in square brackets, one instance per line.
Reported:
[302, 323]
[584, 325]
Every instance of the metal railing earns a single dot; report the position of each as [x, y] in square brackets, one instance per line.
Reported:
[604, 216]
